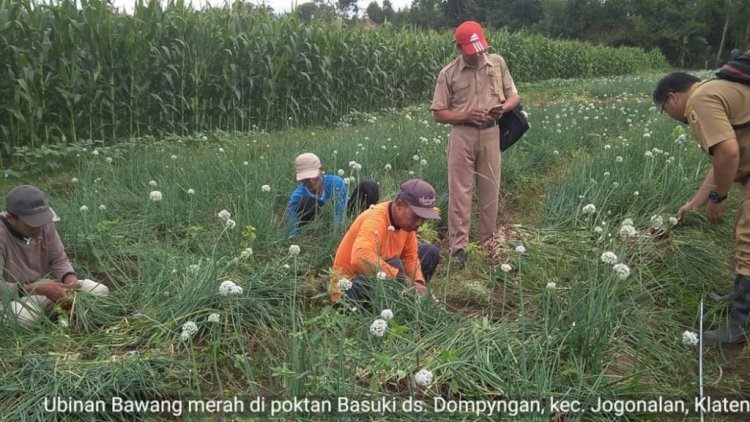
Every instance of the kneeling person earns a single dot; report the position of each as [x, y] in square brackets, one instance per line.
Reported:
[30, 250]
[384, 239]
[317, 189]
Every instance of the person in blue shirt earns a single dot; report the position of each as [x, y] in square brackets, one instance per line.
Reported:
[317, 190]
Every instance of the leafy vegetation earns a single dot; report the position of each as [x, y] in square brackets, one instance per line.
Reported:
[70, 74]
[550, 319]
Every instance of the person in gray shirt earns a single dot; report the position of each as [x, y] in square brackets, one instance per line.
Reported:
[35, 272]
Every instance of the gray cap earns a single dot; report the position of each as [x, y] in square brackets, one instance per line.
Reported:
[30, 205]
[420, 196]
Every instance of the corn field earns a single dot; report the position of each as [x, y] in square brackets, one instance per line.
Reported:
[70, 72]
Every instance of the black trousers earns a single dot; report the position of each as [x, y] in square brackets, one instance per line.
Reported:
[365, 194]
[429, 258]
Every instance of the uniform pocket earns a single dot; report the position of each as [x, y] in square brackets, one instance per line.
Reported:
[460, 94]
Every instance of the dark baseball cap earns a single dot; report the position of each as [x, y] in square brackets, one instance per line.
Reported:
[30, 205]
[420, 196]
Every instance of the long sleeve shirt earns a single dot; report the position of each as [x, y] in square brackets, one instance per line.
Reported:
[26, 260]
[369, 242]
[334, 190]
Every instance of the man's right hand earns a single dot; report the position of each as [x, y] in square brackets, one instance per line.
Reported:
[478, 116]
[53, 290]
[685, 209]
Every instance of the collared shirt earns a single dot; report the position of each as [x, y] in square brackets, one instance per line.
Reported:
[26, 260]
[712, 108]
[334, 189]
[461, 87]
[368, 243]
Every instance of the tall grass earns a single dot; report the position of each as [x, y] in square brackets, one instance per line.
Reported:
[69, 73]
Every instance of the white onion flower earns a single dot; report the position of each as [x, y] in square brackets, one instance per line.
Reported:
[102, 207]
[294, 250]
[506, 268]
[657, 222]
[388, 167]
[628, 231]
[689, 338]
[109, 159]
[228, 287]
[423, 162]
[188, 330]
[415, 157]
[589, 209]
[341, 172]
[191, 192]
[619, 159]
[247, 253]
[521, 249]
[609, 257]
[265, 188]
[224, 215]
[378, 327]
[155, 196]
[622, 270]
[193, 268]
[74, 180]
[84, 208]
[673, 221]
[214, 317]
[386, 314]
[551, 285]
[174, 157]
[230, 224]
[598, 229]
[344, 284]
[423, 378]
[152, 183]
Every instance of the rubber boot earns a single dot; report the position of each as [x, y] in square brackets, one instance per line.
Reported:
[727, 297]
[734, 331]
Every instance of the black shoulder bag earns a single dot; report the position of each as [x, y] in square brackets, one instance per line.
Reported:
[737, 70]
[513, 124]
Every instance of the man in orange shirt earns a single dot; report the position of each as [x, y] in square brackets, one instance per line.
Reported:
[382, 243]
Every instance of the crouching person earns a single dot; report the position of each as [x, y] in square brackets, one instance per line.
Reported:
[382, 241]
[31, 251]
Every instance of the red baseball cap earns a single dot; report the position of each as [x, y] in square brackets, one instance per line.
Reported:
[470, 36]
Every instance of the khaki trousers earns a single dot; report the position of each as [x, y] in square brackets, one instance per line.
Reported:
[742, 234]
[472, 153]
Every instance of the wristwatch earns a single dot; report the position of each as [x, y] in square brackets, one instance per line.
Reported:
[716, 197]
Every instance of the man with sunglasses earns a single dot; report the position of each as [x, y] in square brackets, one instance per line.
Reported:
[718, 112]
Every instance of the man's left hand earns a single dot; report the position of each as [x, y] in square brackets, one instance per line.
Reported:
[420, 287]
[715, 212]
[72, 281]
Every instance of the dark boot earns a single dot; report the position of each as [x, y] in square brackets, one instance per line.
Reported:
[727, 297]
[734, 331]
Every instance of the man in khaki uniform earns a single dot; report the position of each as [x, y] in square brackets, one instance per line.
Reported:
[471, 93]
[717, 110]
